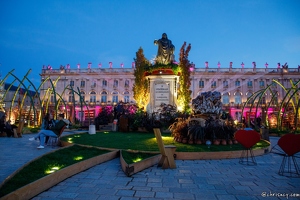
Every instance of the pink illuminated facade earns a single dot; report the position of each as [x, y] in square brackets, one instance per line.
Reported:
[107, 86]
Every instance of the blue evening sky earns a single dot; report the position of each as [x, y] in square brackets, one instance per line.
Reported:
[52, 32]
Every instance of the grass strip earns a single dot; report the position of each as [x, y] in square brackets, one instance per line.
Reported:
[48, 164]
[146, 142]
[133, 157]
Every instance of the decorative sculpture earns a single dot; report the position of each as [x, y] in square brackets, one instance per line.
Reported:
[165, 53]
[207, 102]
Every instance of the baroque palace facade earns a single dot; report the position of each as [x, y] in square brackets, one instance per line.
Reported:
[108, 86]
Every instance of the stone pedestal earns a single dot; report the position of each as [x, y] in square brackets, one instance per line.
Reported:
[163, 90]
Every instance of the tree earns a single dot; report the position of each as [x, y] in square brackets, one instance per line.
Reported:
[184, 92]
[140, 87]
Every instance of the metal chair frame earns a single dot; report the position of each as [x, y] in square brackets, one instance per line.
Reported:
[246, 154]
[289, 166]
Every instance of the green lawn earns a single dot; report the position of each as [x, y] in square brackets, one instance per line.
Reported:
[145, 142]
[48, 164]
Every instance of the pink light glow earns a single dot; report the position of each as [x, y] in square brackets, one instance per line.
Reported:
[122, 65]
[191, 69]
[68, 66]
[133, 64]
[219, 64]
[242, 65]
[110, 64]
[99, 65]
[89, 65]
[206, 64]
[278, 65]
[78, 66]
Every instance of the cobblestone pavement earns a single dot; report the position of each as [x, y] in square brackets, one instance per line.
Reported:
[192, 179]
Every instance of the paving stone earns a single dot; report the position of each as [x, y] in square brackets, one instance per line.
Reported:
[144, 194]
[192, 179]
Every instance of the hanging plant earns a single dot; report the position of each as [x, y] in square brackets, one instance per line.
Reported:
[174, 67]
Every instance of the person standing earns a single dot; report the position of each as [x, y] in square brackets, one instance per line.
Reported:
[52, 132]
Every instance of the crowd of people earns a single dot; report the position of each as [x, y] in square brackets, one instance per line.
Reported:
[6, 126]
[49, 128]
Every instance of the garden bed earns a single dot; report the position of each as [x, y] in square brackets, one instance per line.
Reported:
[34, 188]
[138, 164]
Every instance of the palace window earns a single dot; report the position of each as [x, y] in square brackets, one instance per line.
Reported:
[103, 97]
[127, 83]
[115, 97]
[116, 83]
[71, 83]
[274, 85]
[261, 83]
[126, 97]
[249, 84]
[237, 83]
[94, 83]
[225, 98]
[201, 84]
[71, 97]
[274, 97]
[249, 94]
[82, 84]
[93, 96]
[275, 100]
[238, 98]
[263, 100]
[52, 98]
[82, 93]
[104, 83]
[213, 84]
[225, 84]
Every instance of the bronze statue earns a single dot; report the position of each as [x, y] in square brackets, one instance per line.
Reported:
[165, 53]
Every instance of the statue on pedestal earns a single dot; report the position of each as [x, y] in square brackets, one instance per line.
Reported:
[165, 53]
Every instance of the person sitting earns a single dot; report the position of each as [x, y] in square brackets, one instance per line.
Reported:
[8, 129]
[2, 122]
[47, 123]
[52, 132]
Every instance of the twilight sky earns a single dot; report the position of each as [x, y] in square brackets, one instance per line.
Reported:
[52, 32]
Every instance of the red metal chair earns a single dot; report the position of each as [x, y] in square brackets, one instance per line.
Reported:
[288, 146]
[248, 139]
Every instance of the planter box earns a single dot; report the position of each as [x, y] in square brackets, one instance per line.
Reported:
[130, 169]
[218, 154]
[38, 186]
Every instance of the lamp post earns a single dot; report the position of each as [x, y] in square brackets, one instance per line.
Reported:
[242, 65]
[219, 64]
